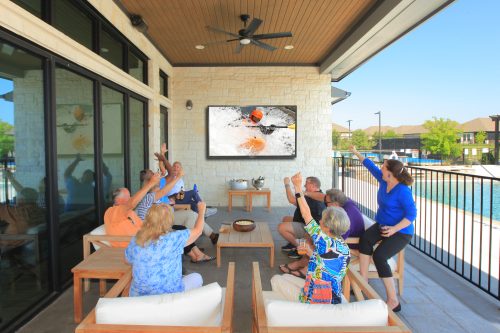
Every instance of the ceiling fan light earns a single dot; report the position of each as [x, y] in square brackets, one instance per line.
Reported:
[245, 41]
[199, 47]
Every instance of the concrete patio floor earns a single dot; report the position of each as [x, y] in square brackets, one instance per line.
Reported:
[434, 299]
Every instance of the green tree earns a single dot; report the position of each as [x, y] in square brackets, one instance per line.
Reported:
[480, 137]
[361, 140]
[442, 137]
[335, 138]
[6, 138]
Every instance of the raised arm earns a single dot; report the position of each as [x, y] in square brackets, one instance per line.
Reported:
[137, 197]
[69, 170]
[301, 201]
[168, 186]
[198, 226]
[318, 196]
[353, 150]
[289, 194]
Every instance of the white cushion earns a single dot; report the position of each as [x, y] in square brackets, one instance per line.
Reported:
[368, 221]
[197, 307]
[294, 314]
[392, 264]
[99, 231]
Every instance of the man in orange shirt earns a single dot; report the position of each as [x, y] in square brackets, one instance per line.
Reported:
[121, 219]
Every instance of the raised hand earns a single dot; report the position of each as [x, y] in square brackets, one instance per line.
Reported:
[297, 180]
[163, 148]
[286, 181]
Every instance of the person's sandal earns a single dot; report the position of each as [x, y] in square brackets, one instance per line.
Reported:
[207, 258]
[299, 274]
[285, 269]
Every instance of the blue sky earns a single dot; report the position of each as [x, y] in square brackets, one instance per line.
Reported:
[447, 67]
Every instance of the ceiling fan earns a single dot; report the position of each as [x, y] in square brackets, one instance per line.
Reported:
[247, 35]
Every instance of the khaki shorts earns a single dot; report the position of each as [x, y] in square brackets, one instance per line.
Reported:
[298, 229]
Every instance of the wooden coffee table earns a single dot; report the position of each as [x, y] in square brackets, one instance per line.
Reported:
[105, 263]
[259, 237]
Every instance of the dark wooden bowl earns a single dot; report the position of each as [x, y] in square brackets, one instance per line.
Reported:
[243, 227]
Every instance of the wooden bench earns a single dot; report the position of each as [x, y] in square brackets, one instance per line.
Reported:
[260, 324]
[89, 325]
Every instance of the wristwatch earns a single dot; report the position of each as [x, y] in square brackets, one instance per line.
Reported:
[298, 195]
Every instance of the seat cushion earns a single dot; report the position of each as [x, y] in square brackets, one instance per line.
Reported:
[197, 307]
[364, 313]
[99, 231]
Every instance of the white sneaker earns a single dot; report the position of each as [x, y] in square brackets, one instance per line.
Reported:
[210, 211]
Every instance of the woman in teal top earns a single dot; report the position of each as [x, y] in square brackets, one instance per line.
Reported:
[394, 228]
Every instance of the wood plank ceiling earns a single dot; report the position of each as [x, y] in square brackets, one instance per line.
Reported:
[177, 26]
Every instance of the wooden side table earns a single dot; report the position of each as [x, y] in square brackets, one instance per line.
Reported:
[248, 194]
[105, 263]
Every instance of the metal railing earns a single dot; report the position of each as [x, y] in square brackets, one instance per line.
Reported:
[457, 220]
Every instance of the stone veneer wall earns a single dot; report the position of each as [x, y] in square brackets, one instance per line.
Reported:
[301, 86]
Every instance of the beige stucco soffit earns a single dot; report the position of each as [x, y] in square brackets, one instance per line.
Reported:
[382, 26]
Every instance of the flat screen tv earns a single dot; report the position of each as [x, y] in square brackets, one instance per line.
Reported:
[255, 131]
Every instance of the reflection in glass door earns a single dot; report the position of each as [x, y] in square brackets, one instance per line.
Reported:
[24, 250]
[75, 165]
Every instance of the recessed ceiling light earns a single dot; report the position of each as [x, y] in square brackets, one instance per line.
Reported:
[200, 47]
[288, 47]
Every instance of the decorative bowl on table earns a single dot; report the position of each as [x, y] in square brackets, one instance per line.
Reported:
[238, 184]
[244, 225]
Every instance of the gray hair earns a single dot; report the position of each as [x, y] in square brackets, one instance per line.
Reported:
[336, 220]
[337, 196]
[117, 194]
[315, 181]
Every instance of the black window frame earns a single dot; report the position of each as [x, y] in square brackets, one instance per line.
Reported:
[164, 84]
[50, 62]
[99, 22]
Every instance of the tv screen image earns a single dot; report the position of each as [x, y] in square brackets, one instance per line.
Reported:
[252, 131]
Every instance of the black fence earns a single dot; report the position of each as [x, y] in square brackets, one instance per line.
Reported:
[457, 222]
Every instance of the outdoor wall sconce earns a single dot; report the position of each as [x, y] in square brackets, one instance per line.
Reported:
[189, 104]
[138, 22]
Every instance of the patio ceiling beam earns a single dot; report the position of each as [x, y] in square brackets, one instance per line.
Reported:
[385, 24]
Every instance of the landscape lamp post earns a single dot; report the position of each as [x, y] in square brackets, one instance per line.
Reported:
[379, 136]
[349, 122]
[495, 118]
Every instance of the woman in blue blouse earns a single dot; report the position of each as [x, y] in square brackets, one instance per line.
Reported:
[394, 227]
[155, 253]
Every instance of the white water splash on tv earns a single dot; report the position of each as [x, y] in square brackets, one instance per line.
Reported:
[228, 131]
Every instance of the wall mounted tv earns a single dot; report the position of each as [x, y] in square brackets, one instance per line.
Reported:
[255, 131]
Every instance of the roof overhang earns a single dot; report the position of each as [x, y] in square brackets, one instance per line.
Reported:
[385, 24]
[339, 95]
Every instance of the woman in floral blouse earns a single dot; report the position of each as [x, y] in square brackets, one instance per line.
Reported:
[329, 258]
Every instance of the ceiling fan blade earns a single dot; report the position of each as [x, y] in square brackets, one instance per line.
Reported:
[254, 25]
[273, 35]
[263, 45]
[238, 48]
[222, 31]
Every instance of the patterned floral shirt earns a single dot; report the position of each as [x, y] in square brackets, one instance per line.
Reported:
[327, 267]
[157, 267]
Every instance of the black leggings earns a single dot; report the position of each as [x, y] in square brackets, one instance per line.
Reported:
[387, 248]
[188, 248]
